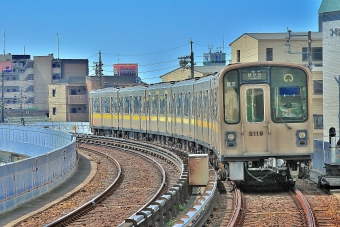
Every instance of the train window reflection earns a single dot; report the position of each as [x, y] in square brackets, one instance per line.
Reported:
[231, 97]
[288, 95]
[255, 105]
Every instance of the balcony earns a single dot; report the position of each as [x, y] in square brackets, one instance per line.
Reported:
[77, 117]
[77, 99]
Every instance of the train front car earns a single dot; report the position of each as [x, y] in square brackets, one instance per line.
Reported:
[266, 121]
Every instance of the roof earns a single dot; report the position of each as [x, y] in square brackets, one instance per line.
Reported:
[72, 80]
[280, 35]
[120, 80]
[328, 6]
[202, 69]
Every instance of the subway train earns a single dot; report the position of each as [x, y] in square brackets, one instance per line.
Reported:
[253, 119]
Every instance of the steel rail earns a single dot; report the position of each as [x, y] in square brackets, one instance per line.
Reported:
[92, 203]
[306, 207]
[238, 206]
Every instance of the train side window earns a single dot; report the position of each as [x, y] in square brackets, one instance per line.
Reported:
[194, 104]
[106, 105]
[186, 105]
[199, 104]
[121, 105]
[165, 104]
[231, 97]
[161, 105]
[96, 105]
[114, 105]
[155, 104]
[179, 104]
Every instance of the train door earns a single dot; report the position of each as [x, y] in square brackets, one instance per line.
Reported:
[255, 118]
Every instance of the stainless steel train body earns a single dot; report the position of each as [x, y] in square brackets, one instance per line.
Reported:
[253, 119]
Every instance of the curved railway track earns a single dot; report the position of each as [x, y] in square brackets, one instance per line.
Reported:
[137, 177]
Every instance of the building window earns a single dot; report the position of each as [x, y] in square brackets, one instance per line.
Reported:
[318, 121]
[54, 110]
[316, 54]
[238, 55]
[73, 110]
[56, 65]
[56, 77]
[73, 91]
[53, 92]
[317, 87]
[269, 54]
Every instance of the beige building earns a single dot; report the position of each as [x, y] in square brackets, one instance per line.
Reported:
[26, 81]
[68, 100]
[68, 97]
[251, 47]
[184, 73]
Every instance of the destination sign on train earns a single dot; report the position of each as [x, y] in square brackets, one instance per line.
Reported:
[254, 75]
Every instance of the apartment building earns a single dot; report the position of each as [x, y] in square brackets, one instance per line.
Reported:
[25, 80]
[287, 47]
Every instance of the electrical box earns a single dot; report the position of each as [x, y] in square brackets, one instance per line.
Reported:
[198, 169]
[236, 170]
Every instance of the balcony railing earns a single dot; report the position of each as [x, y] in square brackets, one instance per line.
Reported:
[77, 99]
[78, 117]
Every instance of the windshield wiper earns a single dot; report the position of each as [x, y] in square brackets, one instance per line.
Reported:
[285, 122]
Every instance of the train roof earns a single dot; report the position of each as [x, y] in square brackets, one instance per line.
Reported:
[104, 90]
[164, 85]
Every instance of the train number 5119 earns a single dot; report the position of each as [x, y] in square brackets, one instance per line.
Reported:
[258, 133]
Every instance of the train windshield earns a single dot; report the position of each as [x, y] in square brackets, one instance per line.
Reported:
[231, 98]
[288, 94]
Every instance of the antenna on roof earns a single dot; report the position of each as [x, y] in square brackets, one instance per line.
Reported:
[210, 47]
[58, 43]
[4, 45]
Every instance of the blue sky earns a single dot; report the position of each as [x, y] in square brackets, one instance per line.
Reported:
[152, 33]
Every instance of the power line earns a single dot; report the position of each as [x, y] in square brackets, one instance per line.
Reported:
[137, 55]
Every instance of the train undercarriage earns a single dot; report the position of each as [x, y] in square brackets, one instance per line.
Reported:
[261, 171]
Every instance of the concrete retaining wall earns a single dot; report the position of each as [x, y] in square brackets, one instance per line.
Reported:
[53, 159]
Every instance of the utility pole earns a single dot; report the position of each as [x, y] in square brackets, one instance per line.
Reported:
[2, 98]
[309, 48]
[191, 60]
[183, 61]
[99, 69]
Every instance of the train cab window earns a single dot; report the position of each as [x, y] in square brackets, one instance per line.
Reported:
[288, 95]
[231, 97]
[255, 105]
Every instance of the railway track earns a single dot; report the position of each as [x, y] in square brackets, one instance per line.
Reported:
[325, 205]
[99, 210]
[271, 209]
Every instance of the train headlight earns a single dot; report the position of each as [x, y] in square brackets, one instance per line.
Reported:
[302, 135]
[231, 137]
[301, 138]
